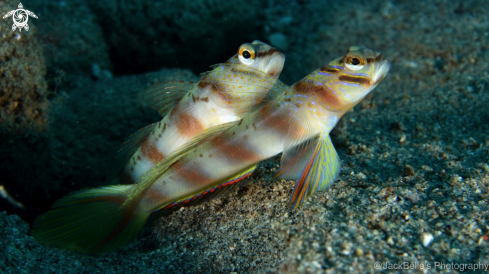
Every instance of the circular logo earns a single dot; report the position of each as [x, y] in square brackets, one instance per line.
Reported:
[20, 18]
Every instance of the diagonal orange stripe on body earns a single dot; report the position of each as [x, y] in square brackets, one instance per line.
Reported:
[151, 152]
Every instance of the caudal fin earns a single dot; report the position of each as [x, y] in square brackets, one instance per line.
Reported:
[95, 220]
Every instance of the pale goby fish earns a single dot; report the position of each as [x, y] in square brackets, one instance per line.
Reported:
[223, 95]
[297, 122]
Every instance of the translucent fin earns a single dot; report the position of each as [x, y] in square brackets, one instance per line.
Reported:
[129, 147]
[219, 189]
[150, 176]
[163, 97]
[91, 220]
[320, 171]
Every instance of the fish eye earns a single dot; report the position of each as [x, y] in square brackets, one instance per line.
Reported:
[354, 63]
[246, 54]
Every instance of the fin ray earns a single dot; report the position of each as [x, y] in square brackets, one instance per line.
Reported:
[319, 173]
[163, 97]
[90, 220]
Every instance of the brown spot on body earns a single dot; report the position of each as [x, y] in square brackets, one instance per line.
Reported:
[204, 99]
[280, 122]
[327, 97]
[190, 174]
[304, 87]
[188, 125]
[323, 93]
[151, 152]
[233, 150]
[254, 126]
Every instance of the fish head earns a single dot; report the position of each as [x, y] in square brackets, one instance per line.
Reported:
[242, 83]
[259, 56]
[345, 81]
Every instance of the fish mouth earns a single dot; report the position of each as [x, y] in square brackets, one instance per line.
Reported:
[381, 71]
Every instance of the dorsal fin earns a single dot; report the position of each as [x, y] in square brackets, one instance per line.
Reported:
[163, 97]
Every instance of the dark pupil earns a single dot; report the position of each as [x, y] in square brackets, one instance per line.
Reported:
[246, 54]
[355, 61]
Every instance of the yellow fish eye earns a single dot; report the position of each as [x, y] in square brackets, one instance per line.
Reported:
[247, 54]
[354, 62]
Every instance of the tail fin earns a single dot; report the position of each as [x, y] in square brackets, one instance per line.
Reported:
[94, 220]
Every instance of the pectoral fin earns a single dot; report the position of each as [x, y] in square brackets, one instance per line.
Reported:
[320, 166]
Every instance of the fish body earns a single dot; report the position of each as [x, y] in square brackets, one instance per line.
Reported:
[208, 103]
[297, 122]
